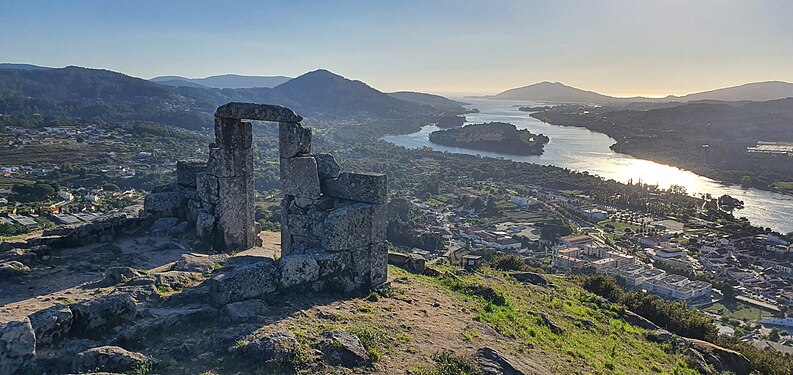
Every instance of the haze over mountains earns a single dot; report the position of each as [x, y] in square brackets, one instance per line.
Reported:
[223, 81]
[559, 93]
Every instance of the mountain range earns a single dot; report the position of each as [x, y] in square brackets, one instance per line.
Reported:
[103, 95]
[555, 92]
[224, 81]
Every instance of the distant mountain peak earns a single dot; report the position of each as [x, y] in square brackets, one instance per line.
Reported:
[222, 81]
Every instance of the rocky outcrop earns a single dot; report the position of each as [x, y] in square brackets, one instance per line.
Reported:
[491, 362]
[250, 310]
[342, 348]
[109, 359]
[270, 346]
[51, 324]
[95, 315]
[17, 345]
[709, 358]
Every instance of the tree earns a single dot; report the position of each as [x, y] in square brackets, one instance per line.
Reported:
[746, 181]
[110, 187]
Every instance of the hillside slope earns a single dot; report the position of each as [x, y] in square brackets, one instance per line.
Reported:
[224, 81]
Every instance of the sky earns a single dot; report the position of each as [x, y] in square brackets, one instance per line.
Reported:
[615, 47]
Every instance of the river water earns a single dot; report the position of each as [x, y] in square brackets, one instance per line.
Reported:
[583, 150]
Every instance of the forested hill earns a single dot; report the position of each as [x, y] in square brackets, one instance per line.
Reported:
[102, 95]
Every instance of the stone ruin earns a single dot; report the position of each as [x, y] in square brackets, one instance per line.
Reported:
[333, 223]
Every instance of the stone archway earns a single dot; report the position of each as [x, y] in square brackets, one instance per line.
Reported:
[333, 223]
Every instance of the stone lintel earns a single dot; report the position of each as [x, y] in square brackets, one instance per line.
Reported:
[259, 112]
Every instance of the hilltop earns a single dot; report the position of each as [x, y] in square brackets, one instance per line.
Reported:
[484, 320]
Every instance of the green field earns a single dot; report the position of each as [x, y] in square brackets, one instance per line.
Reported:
[619, 226]
[738, 310]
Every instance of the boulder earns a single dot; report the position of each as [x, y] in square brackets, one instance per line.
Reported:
[298, 269]
[94, 315]
[299, 177]
[12, 268]
[360, 187]
[270, 346]
[17, 345]
[165, 204]
[412, 262]
[555, 328]
[327, 166]
[293, 139]
[246, 282]
[109, 359]
[176, 279]
[491, 362]
[180, 228]
[633, 318]
[116, 275]
[164, 224]
[342, 348]
[243, 311]
[530, 277]
[195, 263]
[51, 324]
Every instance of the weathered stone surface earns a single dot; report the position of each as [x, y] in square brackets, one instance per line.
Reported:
[633, 318]
[93, 315]
[243, 311]
[348, 227]
[298, 269]
[233, 214]
[548, 322]
[293, 139]
[379, 222]
[187, 170]
[165, 204]
[271, 346]
[116, 275]
[13, 268]
[51, 324]
[176, 279]
[491, 362]
[17, 345]
[195, 263]
[204, 225]
[260, 112]
[706, 356]
[378, 254]
[208, 188]
[164, 224]
[331, 263]
[342, 348]
[246, 282]
[299, 177]
[108, 359]
[327, 166]
[412, 262]
[361, 187]
[530, 277]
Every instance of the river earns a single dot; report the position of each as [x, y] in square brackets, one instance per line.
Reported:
[583, 150]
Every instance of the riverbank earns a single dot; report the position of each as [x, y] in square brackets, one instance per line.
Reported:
[686, 140]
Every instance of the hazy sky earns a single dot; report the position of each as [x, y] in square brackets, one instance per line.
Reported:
[629, 47]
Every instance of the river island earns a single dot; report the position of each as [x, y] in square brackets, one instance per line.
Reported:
[493, 136]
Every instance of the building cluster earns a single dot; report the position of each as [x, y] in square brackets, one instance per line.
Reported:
[772, 148]
[580, 252]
